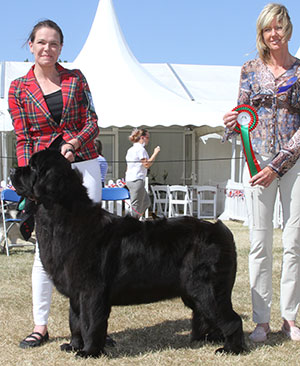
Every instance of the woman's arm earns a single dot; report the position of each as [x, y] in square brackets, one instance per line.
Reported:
[88, 117]
[147, 163]
[230, 118]
[287, 156]
[24, 148]
[281, 163]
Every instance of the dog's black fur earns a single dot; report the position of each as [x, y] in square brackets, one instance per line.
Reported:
[98, 260]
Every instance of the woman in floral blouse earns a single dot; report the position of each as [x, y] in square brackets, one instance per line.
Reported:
[271, 84]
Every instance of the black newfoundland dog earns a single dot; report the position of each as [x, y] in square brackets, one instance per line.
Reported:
[98, 260]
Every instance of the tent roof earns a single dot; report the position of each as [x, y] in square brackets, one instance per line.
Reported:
[190, 82]
[126, 93]
[208, 84]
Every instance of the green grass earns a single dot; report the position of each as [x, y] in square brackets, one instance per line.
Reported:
[150, 335]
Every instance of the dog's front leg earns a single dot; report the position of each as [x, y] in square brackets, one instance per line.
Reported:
[76, 343]
[94, 313]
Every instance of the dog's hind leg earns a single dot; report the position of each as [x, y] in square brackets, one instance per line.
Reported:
[231, 324]
[199, 326]
[203, 329]
[93, 323]
[213, 316]
[225, 319]
[76, 343]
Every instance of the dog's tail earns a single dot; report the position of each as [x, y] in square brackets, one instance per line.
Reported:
[222, 231]
[224, 239]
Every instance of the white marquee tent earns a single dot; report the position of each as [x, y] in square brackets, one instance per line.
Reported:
[125, 92]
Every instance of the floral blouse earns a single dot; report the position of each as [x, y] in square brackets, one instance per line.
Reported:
[278, 131]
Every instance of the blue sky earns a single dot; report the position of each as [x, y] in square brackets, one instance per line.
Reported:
[176, 31]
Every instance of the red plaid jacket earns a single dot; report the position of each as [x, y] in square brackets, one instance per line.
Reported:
[34, 126]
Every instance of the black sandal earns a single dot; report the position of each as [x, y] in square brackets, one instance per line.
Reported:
[35, 342]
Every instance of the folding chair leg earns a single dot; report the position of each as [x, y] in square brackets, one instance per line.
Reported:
[6, 243]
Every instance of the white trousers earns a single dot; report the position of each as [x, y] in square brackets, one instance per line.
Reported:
[41, 283]
[260, 205]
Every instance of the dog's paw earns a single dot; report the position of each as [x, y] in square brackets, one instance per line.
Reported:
[85, 354]
[233, 351]
[82, 354]
[67, 347]
[215, 337]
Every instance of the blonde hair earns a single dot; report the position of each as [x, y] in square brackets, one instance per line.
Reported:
[269, 12]
[136, 134]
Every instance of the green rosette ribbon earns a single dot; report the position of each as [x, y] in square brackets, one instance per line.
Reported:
[246, 121]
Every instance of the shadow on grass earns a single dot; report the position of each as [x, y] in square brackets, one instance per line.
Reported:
[170, 334]
[275, 339]
[174, 334]
[22, 250]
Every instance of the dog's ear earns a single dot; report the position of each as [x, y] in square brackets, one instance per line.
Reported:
[23, 179]
[46, 187]
[53, 176]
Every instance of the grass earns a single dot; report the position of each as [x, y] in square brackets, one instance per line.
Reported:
[153, 334]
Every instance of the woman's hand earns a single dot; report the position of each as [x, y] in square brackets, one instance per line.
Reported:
[68, 152]
[148, 163]
[156, 150]
[263, 178]
[230, 119]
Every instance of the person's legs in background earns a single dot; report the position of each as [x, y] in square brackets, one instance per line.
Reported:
[139, 197]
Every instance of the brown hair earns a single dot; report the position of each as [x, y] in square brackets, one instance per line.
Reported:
[49, 24]
[136, 134]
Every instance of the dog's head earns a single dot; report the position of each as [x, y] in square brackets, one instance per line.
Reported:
[47, 179]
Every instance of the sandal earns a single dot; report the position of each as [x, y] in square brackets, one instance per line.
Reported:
[35, 342]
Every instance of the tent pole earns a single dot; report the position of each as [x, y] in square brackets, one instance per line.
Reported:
[2, 85]
[4, 156]
[189, 94]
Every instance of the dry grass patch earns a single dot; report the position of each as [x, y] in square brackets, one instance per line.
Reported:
[149, 335]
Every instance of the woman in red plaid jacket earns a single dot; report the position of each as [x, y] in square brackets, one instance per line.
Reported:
[52, 107]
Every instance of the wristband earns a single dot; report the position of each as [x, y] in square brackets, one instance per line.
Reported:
[73, 147]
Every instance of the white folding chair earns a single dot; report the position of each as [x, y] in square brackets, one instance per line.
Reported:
[10, 198]
[206, 202]
[160, 199]
[179, 201]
